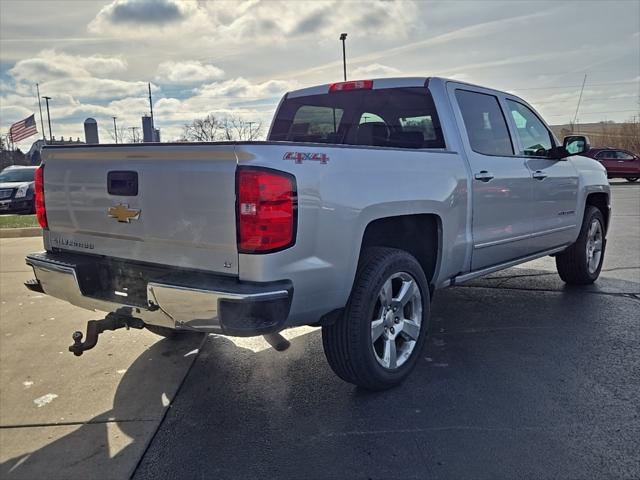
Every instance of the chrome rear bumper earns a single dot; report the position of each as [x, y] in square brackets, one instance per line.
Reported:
[234, 308]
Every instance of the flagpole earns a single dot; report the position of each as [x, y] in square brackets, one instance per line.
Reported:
[44, 138]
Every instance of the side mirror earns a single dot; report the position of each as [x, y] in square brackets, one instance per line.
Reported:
[576, 144]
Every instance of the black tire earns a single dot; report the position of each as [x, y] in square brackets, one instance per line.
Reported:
[632, 179]
[348, 343]
[573, 263]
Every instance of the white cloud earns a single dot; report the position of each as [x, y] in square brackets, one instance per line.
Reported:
[375, 70]
[244, 89]
[126, 14]
[461, 77]
[52, 65]
[239, 57]
[187, 72]
[236, 22]
[60, 74]
[81, 85]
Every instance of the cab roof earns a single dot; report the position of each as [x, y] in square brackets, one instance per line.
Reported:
[380, 83]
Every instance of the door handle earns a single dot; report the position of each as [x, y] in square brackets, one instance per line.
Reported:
[539, 175]
[484, 176]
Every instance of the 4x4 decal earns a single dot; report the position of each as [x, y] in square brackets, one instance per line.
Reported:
[299, 157]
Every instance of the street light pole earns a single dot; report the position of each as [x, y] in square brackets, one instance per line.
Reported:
[115, 129]
[44, 135]
[153, 125]
[46, 99]
[343, 37]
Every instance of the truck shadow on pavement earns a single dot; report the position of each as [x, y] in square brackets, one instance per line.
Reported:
[511, 384]
[110, 444]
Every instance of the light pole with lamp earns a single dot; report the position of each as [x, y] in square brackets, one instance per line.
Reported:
[343, 37]
[46, 99]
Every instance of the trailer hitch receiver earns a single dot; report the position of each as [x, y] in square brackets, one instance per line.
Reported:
[96, 327]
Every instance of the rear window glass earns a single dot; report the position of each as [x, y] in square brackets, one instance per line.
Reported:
[393, 117]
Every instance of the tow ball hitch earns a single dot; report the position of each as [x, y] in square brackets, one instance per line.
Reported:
[96, 327]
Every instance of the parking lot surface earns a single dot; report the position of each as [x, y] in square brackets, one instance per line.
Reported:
[523, 377]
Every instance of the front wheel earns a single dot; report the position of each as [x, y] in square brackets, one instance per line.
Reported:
[632, 179]
[378, 339]
[580, 264]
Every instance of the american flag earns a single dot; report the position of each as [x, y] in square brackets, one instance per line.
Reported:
[23, 129]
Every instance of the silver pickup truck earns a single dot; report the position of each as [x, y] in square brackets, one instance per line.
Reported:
[367, 197]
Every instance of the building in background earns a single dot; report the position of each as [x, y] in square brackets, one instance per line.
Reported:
[33, 155]
[149, 134]
[91, 131]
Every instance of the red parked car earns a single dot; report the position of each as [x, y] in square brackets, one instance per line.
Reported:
[619, 163]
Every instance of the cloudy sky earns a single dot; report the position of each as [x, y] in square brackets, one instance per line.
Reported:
[94, 58]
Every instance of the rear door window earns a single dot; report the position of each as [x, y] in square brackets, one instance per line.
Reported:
[485, 123]
[390, 117]
[623, 155]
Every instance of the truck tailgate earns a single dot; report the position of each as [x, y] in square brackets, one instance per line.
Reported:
[183, 214]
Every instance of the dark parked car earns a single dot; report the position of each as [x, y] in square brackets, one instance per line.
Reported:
[16, 189]
[619, 163]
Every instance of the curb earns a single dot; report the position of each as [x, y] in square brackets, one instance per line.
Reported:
[20, 232]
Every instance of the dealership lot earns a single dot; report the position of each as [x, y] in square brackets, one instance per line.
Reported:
[523, 377]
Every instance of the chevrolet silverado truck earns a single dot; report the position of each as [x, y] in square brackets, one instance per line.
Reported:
[366, 198]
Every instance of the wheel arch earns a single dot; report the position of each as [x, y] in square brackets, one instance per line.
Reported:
[600, 200]
[418, 234]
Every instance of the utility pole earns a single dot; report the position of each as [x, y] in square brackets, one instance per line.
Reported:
[115, 129]
[153, 127]
[250, 123]
[44, 136]
[575, 117]
[46, 99]
[343, 37]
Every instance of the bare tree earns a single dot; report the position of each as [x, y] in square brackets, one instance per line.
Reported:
[133, 135]
[121, 136]
[207, 129]
[212, 129]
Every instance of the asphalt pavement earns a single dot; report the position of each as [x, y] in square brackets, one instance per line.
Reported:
[523, 377]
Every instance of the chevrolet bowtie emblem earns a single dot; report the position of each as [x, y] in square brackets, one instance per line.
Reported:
[123, 213]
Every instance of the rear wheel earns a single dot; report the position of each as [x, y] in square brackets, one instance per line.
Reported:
[580, 264]
[377, 341]
[632, 179]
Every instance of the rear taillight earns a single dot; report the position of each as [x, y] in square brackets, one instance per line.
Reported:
[266, 210]
[352, 85]
[41, 213]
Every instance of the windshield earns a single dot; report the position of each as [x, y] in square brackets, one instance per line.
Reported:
[392, 117]
[18, 175]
